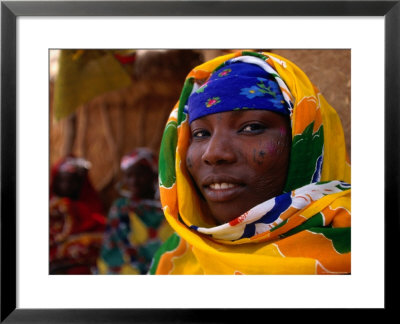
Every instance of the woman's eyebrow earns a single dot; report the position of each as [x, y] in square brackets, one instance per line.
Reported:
[198, 123]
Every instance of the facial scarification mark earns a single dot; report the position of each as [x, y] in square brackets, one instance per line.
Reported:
[283, 131]
[271, 147]
[258, 157]
[189, 163]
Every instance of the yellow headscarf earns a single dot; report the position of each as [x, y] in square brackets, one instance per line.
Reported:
[306, 230]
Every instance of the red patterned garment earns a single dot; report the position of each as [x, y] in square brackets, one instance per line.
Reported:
[76, 219]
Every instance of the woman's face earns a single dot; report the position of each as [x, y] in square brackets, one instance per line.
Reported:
[68, 184]
[239, 159]
[139, 179]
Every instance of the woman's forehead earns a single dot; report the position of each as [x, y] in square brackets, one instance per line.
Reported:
[67, 176]
[240, 115]
[140, 166]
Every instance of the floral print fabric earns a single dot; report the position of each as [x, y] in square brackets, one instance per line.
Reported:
[238, 85]
[135, 230]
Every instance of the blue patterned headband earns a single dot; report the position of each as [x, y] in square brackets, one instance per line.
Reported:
[237, 86]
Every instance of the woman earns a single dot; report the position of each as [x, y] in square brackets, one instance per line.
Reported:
[254, 176]
[77, 220]
[136, 225]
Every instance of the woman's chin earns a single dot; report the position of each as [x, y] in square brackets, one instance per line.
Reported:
[224, 216]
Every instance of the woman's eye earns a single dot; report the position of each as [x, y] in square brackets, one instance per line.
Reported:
[200, 134]
[253, 128]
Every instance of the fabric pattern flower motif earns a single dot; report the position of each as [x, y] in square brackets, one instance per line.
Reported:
[252, 92]
[201, 89]
[272, 88]
[224, 72]
[277, 103]
[212, 101]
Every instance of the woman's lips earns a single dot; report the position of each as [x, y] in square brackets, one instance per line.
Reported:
[222, 191]
[223, 185]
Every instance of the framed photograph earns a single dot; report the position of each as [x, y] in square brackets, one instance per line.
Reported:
[31, 29]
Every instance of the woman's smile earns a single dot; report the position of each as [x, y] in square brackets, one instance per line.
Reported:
[231, 161]
[217, 193]
[221, 188]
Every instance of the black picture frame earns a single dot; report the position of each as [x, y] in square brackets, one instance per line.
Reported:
[10, 10]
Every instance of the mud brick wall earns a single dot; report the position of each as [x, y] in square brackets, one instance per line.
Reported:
[330, 72]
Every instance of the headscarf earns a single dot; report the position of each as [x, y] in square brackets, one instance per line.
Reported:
[305, 230]
[140, 155]
[238, 85]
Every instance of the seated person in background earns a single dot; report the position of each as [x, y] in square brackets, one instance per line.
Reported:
[254, 176]
[136, 225]
[77, 220]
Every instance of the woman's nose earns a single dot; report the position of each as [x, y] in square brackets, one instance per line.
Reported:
[219, 150]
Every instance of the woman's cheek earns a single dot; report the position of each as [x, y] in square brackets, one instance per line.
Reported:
[259, 155]
[272, 147]
[189, 162]
[280, 144]
[270, 152]
[190, 158]
[267, 150]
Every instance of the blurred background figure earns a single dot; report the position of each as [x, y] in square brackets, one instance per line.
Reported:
[136, 225]
[77, 221]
